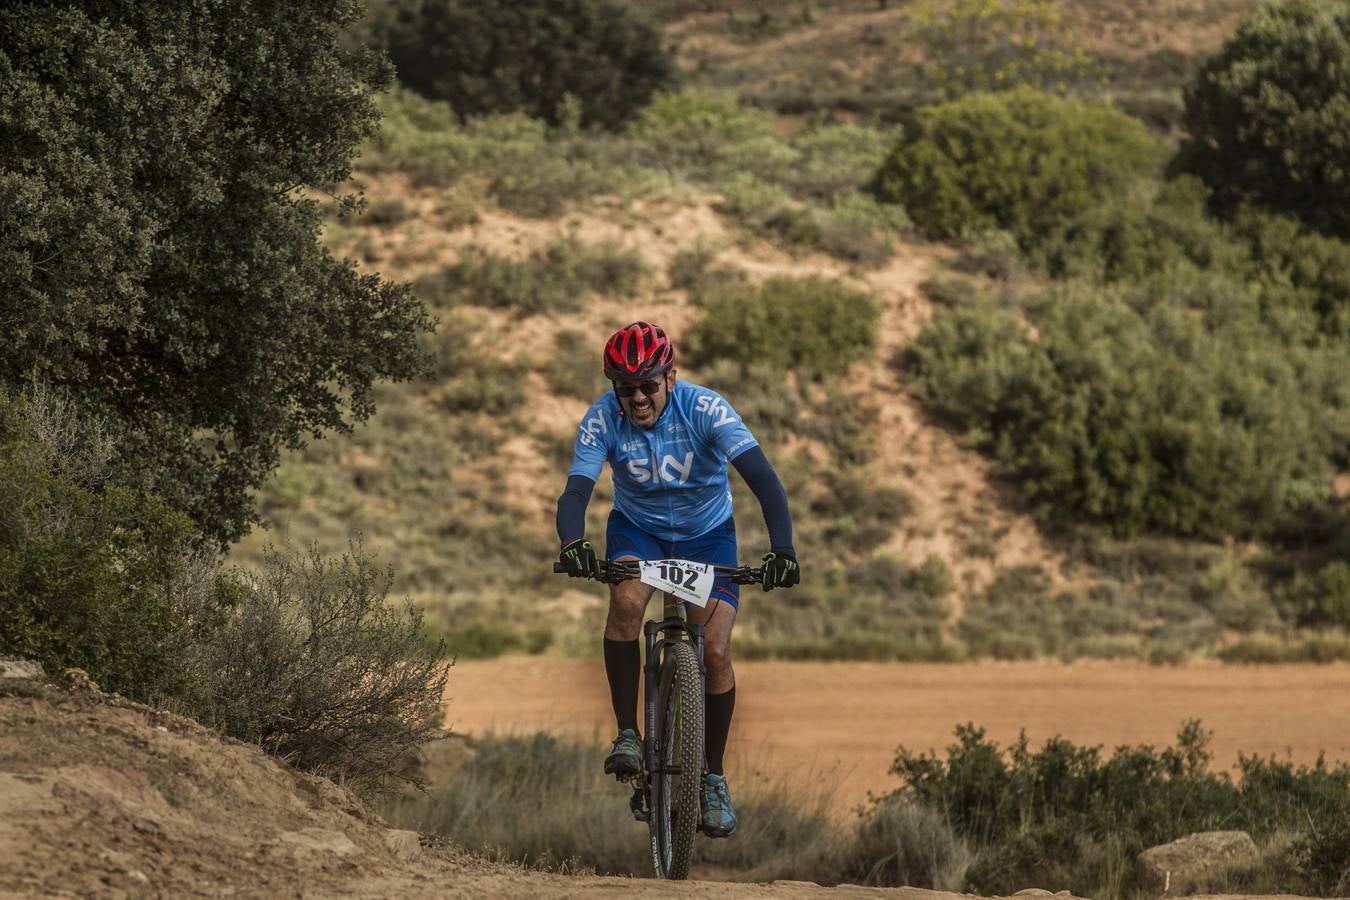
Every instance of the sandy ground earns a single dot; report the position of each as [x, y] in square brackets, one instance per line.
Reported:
[840, 723]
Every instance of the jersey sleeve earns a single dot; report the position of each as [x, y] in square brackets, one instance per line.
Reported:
[717, 424]
[595, 437]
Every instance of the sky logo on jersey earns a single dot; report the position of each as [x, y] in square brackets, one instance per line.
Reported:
[592, 429]
[670, 470]
[714, 406]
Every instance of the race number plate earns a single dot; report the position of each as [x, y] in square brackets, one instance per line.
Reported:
[687, 580]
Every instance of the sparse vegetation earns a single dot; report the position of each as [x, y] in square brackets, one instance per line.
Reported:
[558, 278]
[498, 794]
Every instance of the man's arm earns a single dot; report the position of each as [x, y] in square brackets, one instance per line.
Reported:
[758, 473]
[572, 508]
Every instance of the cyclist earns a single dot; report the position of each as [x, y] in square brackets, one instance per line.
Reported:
[668, 443]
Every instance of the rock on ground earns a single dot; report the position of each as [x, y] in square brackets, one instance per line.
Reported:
[1174, 868]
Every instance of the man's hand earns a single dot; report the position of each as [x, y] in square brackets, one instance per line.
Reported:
[580, 559]
[780, 570]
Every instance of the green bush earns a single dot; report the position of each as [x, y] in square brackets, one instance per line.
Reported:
[1069, 819]
[89, 571]
[314, 665]
[1267, 114]
[1136, 236]
[811, 326]
[1155, 419]
[1322, 598]
[1021, 161]
[529, 56]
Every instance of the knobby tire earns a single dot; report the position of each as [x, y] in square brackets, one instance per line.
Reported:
[679, 714]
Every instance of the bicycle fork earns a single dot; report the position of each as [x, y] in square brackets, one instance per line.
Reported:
[674, 626]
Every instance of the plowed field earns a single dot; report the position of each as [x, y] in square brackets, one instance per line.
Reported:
[838, 724]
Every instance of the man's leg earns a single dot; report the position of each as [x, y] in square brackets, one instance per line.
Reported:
[717, 619]
[623, 652]
[718, 813]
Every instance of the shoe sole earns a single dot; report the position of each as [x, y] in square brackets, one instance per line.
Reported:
[622, 768]
[717, 832]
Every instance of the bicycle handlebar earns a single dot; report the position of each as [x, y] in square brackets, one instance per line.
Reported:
[615, 571]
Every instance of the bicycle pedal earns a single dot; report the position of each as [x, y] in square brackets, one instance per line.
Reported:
[636, 805]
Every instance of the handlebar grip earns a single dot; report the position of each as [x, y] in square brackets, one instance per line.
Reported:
[559, 568]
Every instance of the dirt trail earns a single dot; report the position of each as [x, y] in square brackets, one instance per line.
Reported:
[841, 722]
[100, 798]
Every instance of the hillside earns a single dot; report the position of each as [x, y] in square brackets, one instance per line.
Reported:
[531, 245]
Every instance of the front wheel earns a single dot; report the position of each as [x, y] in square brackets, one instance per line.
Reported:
[675, 783]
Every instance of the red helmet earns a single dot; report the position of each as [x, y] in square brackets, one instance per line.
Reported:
[640, 350]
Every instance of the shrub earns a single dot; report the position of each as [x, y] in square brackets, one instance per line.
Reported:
[708, 134]
[314, 665]
[900, 843]
[1068, 818]
[529, 56]
[1153, 419]
[978, 45]
[812, 326]
[833, 159]
[1322, 598]
[575, 368]
[1267, 114]
[88, 571]
[1021, 161]
[556, 278]
[1136, 237]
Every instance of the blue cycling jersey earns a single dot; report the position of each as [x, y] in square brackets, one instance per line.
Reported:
[670, 479]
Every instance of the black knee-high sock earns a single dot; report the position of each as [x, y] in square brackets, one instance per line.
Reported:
[623, 667]
[717, 725]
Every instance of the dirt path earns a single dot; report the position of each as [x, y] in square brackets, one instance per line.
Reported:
[840, 723]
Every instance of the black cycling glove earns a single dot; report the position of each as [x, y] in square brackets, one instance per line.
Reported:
[780, 570]
[580, 559]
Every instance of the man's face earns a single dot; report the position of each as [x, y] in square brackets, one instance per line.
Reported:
[644, 399]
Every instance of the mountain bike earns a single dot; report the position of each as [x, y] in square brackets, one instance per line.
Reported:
[666, 791]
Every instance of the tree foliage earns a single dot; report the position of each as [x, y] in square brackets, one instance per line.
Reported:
[1269, 114]
[159, 257]
[1020, 160]
[528, 56]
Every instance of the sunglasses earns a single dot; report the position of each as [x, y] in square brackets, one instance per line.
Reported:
[630, 388]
